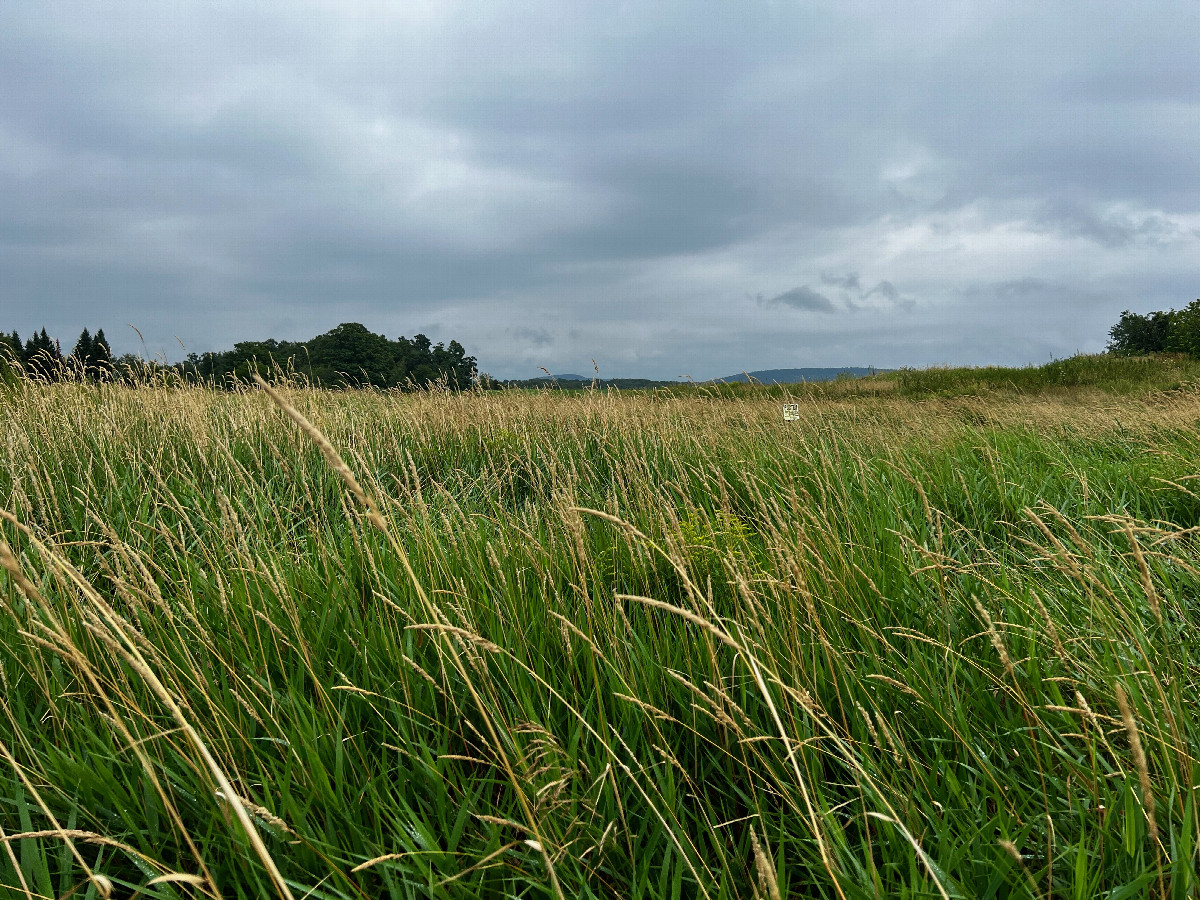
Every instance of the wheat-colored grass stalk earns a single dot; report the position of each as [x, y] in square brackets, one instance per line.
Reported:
[1011, 849]
[1144, 572]
[994, 636]
[1139, 760]
[765, 869]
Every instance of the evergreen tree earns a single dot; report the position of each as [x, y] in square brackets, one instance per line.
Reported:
[102, 358]
[10, 357]
[43, 358]
[83, 352]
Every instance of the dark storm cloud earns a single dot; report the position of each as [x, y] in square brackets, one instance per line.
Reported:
[553, 182]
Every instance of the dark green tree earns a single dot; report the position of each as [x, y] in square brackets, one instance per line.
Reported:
[42, 357]
[81, 356]
[1136, 334]
[350, 355]
[10, 357]
[101, 359]
[1184, 336]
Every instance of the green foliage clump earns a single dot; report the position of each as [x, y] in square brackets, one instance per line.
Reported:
[708, 539]
[349, 355]
[1170, 331]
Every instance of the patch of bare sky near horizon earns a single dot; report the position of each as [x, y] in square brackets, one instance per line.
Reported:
[760, 185]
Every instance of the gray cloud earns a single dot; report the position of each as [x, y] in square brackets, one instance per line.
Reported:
[886, 289]
[804, 298]
[848, 282]
[892, 295]
[1114, 227]
[538, 337]
[607, 177]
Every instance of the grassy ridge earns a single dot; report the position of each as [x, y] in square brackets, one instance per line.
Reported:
[1110, 375]
[601, 645]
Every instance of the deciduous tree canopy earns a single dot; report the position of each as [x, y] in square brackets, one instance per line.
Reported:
[348, 356]
[1172, 331]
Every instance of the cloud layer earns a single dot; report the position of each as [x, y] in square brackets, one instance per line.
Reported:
[663, 188]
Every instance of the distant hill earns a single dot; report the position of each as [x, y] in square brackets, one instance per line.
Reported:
[795, 376]
[580, 382]
[763, 376]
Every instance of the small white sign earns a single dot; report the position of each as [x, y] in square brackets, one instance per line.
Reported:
[791, 412]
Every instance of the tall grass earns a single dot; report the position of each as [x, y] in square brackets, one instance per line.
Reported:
[597, 644]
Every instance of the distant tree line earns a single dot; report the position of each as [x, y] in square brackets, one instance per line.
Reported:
[41, 357]
[1172, 331]
[348, 356]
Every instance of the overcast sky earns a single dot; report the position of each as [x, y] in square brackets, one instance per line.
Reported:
[667, 188]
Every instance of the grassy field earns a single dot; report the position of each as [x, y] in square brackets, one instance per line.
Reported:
[936, 639]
